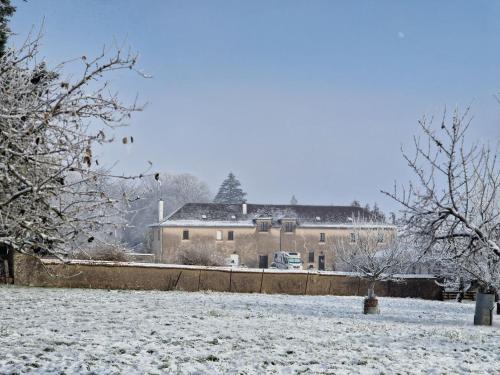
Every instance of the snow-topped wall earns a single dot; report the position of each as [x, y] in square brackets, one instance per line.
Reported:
[143, 276]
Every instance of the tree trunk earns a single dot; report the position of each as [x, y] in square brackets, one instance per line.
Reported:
[485, 303]
[6, 268]
[461, 292]
[370, 303]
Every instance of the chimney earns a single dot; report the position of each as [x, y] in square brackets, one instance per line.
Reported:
[160, 210]
[244, 208]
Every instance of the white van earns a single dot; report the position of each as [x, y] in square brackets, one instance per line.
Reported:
[287, 261]
[233, 260]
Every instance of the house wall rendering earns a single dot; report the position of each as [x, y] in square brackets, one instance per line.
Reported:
[261, 231]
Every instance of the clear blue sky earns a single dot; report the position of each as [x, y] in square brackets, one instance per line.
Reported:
[312, 98]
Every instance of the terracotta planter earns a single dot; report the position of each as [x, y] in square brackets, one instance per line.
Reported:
[370, 305]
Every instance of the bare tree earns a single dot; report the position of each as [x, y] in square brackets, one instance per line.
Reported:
[137, 214]
[200, 253]
[50, 124]
[115, 253]
[452, 208]
[375, 254]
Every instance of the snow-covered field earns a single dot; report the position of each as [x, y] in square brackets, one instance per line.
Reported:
[100, 332]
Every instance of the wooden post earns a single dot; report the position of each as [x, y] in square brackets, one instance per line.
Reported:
[199, 277]
[261, 280]
[307, 281]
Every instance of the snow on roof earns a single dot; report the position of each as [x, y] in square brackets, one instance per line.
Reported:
[349, 225]
[220, 214]
[207, 223]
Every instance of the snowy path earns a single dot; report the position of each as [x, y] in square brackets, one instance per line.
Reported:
[102, 332]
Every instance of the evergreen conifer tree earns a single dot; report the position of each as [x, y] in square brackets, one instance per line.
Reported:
[377, 214]
[6, 11]
[368, 208]
[230, 191]
[393, 218]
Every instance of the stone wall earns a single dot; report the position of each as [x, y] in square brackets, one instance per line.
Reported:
[115, 275]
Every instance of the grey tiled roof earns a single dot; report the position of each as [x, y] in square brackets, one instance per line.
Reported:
[214, 213]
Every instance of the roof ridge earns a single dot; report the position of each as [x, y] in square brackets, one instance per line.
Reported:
[275, 204]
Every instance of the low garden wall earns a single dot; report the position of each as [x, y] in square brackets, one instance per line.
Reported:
[150, 276]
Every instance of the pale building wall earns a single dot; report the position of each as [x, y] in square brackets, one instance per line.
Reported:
[154, 241]
[249, 243]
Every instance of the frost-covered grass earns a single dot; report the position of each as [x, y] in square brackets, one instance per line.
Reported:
[99, 331]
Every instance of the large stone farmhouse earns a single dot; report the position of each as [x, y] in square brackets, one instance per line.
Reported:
[255, 231]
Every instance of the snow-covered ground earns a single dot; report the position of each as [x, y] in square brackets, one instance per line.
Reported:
[98, 331]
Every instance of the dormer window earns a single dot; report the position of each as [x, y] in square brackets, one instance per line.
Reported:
[263, 226]
[289, 226]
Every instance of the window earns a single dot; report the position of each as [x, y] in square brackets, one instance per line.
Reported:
[322, 237]
[311, 257]
[219, 235]
[353, 237]
[230, 235]
[380, 237]
[289, 227]
[264, 226]
[185, 234]
[159, 231]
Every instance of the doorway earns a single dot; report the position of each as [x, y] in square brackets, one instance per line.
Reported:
[263, 261]
[321, 263]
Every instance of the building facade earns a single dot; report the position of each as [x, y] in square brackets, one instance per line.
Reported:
[255, 232]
